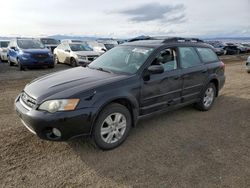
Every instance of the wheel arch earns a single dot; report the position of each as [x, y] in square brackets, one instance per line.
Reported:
[129, 103]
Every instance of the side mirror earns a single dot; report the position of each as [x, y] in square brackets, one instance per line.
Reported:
[67, 50]
[103, 49]
[156, 69]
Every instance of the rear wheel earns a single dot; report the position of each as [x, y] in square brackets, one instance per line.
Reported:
[207, 98]
[112, 126]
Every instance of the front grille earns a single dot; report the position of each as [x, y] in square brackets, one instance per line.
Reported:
[92, 58]
[29, 101]
[40, 57]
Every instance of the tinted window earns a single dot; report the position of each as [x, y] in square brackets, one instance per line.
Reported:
[188, 57]
[207, 55]
[166, 58]
[49, 41]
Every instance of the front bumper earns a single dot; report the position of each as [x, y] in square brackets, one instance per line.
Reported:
[31, 62]
[71, 124]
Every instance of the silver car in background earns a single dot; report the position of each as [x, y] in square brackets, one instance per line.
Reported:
[3, 49]
[74, 54]
[248, 64]
[50, 43]
[97, 46]
[109, 44]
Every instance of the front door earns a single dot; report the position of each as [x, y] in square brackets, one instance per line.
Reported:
[161, 90]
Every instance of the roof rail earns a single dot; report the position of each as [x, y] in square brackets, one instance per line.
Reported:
[180, 39]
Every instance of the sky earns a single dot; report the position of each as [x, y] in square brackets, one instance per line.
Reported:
[125, 18]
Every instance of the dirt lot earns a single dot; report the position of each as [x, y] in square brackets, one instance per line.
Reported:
[183, 148]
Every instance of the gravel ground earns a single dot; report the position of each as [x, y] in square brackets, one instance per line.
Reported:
[183, 148]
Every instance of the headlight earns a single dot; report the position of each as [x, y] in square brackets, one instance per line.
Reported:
[82, 57]
[59, 105]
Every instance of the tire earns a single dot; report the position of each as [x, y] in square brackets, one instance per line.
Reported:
[73, 62]
[20, 67]
[9, 62]
[207, 99]
[112, 126]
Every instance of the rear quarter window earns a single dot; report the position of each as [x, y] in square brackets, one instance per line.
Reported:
[207, 55]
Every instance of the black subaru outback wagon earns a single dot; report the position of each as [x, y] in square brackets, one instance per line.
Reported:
[107, 98]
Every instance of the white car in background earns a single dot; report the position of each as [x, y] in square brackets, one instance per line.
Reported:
[71, 41]
[3, 49]
[97, 47]
[74, 54]
[248, 64]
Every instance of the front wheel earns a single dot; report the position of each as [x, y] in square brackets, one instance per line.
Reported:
[112, 127]
[73, 62]
[20, 66]
[207, 99]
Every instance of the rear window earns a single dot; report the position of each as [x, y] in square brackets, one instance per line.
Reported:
[207, 55]
[4, 44]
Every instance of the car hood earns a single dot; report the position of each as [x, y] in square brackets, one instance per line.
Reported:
[68, 83]
[87, 53]
[35, 51]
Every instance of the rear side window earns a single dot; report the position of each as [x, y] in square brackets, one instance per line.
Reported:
[189, 57]
[207, 55]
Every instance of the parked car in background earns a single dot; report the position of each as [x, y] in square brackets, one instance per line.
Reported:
[3, 49]
[248, 64]
[218, 47]
[71, 40]
[50, 43]
[106, 98]
[240, 47]
[97, 47]
[247, 46]
[74, 54]
[27, 52]
[232, 49]
[109, 44]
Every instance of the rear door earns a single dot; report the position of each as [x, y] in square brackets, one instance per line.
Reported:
[160, 91]
[194, 73]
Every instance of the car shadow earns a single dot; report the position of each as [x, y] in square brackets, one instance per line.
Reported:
[184, 147]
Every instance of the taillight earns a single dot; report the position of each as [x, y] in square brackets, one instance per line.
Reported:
[222, 66]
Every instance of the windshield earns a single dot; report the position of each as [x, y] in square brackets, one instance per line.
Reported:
[80, 47]
[49, 41]
[30, 44]
[123, 59]
[4, 44]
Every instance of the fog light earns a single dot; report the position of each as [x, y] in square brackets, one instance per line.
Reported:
[56, 132]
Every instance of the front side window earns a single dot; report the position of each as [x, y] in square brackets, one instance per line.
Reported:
[189, 57]
[207, 55]
[123, 59]
[30, 44]
[166, 58]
